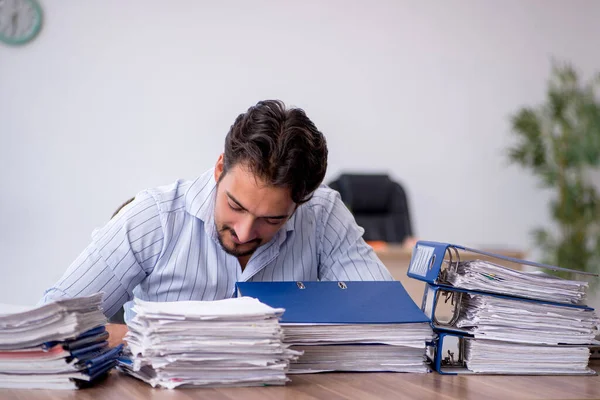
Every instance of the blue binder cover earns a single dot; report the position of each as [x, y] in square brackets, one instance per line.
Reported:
[428, 258]
[349, 302]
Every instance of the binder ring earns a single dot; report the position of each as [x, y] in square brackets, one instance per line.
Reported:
[342, 285]
[452, 264]
[300, 285]
[455, 299]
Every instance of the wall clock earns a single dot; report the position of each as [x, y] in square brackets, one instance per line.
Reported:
[20, 21]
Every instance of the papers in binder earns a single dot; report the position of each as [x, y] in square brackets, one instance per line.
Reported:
[348, 326]
[502, 320]
[490, 277]
[459, 354]
[440, 264]
[497, 317]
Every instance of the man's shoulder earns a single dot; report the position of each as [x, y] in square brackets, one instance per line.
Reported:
[324, 195]
[167, 190]
[323, 199]
[173, 196]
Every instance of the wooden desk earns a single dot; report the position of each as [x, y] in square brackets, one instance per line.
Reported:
[364, 386]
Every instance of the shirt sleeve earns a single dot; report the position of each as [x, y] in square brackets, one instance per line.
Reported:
[121, 254]
[343, 253]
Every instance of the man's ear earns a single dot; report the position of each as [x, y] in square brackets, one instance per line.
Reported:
[219, 166]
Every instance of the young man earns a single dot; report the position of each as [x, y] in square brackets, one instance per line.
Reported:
[261, 214]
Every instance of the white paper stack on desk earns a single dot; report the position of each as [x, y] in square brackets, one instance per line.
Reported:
[61, 345]
[232, 342]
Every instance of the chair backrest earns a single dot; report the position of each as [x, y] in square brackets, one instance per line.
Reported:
[378, 204]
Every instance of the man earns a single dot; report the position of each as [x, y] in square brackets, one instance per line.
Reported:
[261, 214]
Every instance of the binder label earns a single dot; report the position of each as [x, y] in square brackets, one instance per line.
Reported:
[420, 260]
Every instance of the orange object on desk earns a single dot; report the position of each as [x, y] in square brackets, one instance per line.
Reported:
[378, 244]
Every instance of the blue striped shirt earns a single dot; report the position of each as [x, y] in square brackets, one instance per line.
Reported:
[164, 247]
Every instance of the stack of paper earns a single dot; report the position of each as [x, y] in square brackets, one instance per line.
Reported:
[489, 356]
[232, 342]
[61, 345]
[489, 277]
[359, 347]
[491, 317]
[359, 357]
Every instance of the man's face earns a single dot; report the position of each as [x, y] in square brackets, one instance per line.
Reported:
[248, 212]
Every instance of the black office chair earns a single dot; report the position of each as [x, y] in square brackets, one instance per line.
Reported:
[378, 204]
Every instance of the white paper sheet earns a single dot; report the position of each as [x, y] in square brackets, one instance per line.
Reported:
[489, 277]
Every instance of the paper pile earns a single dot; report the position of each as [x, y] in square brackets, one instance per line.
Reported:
[232, 342]
[490, 317]
[494, 357]
[538, 326]
[493, 278]
[359, 347]
[61, 345]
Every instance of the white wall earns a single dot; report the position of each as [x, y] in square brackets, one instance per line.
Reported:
[116, 96]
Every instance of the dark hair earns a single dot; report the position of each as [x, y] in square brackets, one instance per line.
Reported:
[281, 146]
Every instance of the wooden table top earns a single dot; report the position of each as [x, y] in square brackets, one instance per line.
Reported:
[346, 386]
[399, 252]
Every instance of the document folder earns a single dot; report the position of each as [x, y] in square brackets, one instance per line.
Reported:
[440, 264]
[348, 326]
[430, 260]
[435, 297]
[349, 302]
[450, 355]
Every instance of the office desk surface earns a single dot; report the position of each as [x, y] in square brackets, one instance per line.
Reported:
[364, 386]
[401, 253]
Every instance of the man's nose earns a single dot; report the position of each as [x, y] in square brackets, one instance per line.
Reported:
[245, 229]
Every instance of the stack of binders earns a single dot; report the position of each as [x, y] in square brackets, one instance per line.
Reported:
[503, 321]
[61, 345]
[348, 326]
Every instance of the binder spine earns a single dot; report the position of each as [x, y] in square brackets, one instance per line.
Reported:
[431, 260]
[449, 357]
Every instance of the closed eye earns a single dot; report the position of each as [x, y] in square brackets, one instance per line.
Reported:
[234, 207]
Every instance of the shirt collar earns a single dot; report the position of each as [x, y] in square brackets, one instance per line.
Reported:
[200, 197]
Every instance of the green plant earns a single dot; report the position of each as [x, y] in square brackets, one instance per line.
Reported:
[559, 141]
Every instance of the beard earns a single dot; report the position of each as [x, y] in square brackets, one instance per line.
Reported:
[235, 249]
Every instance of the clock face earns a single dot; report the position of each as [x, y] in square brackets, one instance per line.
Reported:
[20, 20]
